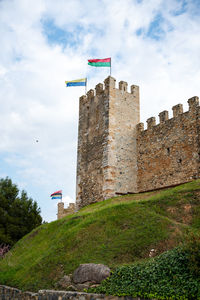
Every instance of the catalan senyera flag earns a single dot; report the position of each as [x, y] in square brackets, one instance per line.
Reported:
[77, 82]
[105, 62]
[56, 195]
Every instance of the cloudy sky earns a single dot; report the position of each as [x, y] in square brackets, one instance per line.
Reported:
[153, 43]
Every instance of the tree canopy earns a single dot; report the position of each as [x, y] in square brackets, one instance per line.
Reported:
[19, 214]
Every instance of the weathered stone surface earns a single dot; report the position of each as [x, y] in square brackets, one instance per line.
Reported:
[91, 272]
[64, 282]
[82, 286]
[106, 162]
[168, 153]
[71, 287]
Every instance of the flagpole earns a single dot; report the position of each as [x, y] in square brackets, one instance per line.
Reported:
[86, 87]
[110, 66]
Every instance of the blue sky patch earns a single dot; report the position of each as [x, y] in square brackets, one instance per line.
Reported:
[155, 30]
[139, 31]
[56, 35]
[182, 9]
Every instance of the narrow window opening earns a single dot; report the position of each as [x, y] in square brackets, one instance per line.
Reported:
[168, 150]
[180, 160]
[124, 89]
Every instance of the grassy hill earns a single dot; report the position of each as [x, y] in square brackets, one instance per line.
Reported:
[114, 232]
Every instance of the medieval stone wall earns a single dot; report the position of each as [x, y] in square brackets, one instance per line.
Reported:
[117, 156]
[168, 153]
[107, 162]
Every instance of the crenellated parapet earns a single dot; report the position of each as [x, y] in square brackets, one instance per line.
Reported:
[109, 85]
[164, 115]
[168, 152]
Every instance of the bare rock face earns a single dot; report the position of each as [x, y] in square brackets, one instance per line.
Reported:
[91, 272]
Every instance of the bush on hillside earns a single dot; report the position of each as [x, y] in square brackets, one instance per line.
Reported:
[19, 214]
[168, 276]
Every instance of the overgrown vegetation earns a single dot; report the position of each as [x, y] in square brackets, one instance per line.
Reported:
[19, 214]
[116, 232]
[172, 275]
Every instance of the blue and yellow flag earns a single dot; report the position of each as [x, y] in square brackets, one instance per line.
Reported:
[77, 82]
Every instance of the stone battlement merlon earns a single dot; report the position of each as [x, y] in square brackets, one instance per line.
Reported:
[109, 84]
[164, 115]
[193, 103]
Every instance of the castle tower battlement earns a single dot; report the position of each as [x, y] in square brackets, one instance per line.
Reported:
[62, 212]
[106, 162]
[116, 155]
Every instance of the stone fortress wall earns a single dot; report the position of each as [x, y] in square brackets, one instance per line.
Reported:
[117, 156]
[168, 153]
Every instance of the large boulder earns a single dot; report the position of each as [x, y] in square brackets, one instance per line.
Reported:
[91, 272]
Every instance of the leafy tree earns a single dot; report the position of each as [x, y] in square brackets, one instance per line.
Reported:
[19, 214]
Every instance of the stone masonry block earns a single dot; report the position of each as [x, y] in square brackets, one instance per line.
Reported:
[135, 90]
[109, 83]
[123, 86]
[90, 94]
[151, 122]
[164, 116]
[140, 127]
[83, 99]
[177, 109]
[193, 103]
[99, 89]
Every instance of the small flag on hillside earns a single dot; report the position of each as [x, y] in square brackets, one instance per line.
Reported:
[105, 62]
[77, 82]
[56, 195]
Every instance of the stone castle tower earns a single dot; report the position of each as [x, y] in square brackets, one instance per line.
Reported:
[107, 162]
[117, 156]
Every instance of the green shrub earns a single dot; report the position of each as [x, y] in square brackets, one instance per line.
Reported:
[168, 276]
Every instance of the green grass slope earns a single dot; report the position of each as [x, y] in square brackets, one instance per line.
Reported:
[114, 232]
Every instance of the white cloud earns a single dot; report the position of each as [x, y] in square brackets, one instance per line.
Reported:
[67, 200]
